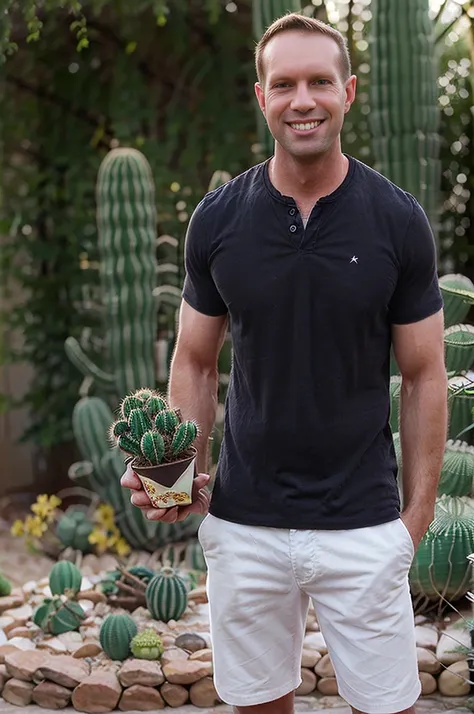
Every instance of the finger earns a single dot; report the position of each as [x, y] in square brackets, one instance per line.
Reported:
[200, 481]
[167, 515]
[130, 480]
[140, 499]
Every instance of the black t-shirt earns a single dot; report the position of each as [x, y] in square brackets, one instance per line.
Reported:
[307, 442]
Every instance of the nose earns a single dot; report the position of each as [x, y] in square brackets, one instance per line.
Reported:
[302, 100]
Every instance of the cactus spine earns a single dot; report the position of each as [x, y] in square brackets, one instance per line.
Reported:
[116, 635]
[404, 116]
[64, 577]
[166, 595]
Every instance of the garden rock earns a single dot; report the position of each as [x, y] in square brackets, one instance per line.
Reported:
[324, 667]
[23, 665]
[428, 684]
[310, 658]
[426, 637]
[450, 639]
[140, 671]
[328, 686]
[308, 684]
[174, 694]
[18, 692]
[181, 671]
[427, 661]
[190, 642]
[51, 696]
[100, 692]
[64, 670]
[140, 698]
[203, 693]
[454, 681]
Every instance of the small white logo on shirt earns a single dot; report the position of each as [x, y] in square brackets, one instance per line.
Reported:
[355, 259]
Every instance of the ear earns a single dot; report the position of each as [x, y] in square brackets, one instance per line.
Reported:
[351, 85]
[260, 96]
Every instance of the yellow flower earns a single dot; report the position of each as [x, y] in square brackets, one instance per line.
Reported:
[105, 515]
[45, 506]
[122, 547]
[98, 538]
[35, 526]
[18, 529]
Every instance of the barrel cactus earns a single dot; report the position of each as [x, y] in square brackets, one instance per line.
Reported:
[155, 437]
[147, 645]
[457, 472]
[459, 348]
[116, 635]
[453, 286]
[65, 577]
[440, 569]
[74, 529]
[167, 595]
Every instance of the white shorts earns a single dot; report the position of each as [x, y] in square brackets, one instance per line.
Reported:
[260, 583]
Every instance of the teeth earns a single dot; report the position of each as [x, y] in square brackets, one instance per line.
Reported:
[305, 127]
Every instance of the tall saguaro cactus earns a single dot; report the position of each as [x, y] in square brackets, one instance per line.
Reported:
[264, 12]
[126, 221]
[404, 115]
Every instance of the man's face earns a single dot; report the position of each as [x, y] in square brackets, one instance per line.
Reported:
[303, 95]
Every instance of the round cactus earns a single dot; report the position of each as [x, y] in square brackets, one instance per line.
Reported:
[65, 576]
[55, 617]
[184, 437]
[153, 447]
[73, 530]
[116, 635]
[457, 472]
[147, 645]
[118, 428]
[5, 586]
[166, 595]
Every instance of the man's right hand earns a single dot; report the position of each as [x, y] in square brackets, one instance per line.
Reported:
[200, 495]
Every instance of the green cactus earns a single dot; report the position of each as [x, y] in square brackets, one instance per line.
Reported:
[144, 394]
[404, 115]
[455, 289]
[166, 421]
[119, 427]
[457, 471]
[74, 528]
[105, 466]
[129, 444]
[153, 447]
[126, 222]
[147, 645]
[167, 595]
[154, 405]
[459, 348]
[65, 577]
[55, 617]
[5, 586]
[116, 635]
[129, 404]
[183, 437]
[139, 422]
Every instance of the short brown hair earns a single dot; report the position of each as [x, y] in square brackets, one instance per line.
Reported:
[296, 21]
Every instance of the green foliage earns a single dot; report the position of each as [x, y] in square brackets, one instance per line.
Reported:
[147, 645]
[65, 577]
[5, 586]
[116, 634]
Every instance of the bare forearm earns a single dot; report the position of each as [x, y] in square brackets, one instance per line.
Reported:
[423, 429]
[194, 392]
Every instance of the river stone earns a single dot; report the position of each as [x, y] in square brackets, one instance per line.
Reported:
[310, 658]
[203, 693]
[88, 649]
[328, 685]
[23, 665]
[99, 692]
[140, 698]
[308, 684]
[426, 637]
[454, 681]
[64, 670]
[427, 661]
[324, 667]
[4, 676]
[450, 639]
[172, 654]
[190, 642]
[140, 671]
[174, 695]
[18, 692]
[51, 696]
[428, 684]
[184, 671]
[315, 641]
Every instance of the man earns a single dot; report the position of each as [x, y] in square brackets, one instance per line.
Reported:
[319, 264]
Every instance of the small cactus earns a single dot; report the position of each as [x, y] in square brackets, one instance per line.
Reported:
[147, 645]
[5, 586]
[64, 577]
[116, 634]
[153, 432]
[167, 595]
[74, 529]
[57, 615]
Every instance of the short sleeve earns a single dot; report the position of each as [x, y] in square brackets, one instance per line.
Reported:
[199, 289]
[417, 294]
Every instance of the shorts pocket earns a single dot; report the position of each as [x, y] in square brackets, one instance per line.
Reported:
[200, 533]
[408, 537]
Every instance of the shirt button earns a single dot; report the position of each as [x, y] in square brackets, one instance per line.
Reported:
[293, 228]
[292, 211]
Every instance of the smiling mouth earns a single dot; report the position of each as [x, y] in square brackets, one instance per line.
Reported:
[306, 126]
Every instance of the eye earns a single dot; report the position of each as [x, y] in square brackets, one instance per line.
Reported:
[322, 81]
[280, 85]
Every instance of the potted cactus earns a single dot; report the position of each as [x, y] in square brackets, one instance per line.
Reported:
[160, 446]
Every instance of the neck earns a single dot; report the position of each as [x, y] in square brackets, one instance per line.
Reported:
[307, 179]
